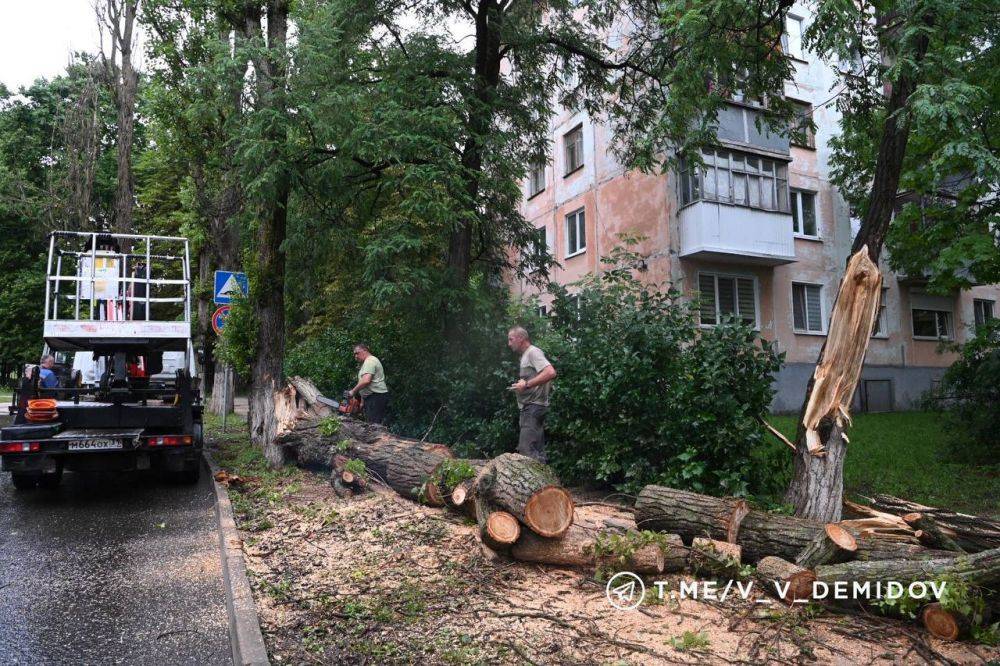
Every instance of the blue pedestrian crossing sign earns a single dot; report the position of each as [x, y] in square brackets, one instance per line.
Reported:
[230, 285]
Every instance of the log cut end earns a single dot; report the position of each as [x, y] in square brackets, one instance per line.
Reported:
[791, 582]
[843, 539]
[432, 495]
[461, 493]
[549, 511]
[941, 623]
[502, 528]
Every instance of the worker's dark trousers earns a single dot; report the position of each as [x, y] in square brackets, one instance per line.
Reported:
[532, 440]
[376, 407]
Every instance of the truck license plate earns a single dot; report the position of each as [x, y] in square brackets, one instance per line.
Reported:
[95, 444]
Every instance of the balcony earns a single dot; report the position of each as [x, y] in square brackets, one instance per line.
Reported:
[713, 231]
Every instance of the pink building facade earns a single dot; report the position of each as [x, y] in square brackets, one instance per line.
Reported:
[760, 232]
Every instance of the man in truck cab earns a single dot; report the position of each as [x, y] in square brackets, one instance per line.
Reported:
[46, 376]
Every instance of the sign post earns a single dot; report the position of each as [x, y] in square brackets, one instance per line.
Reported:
[228, 285]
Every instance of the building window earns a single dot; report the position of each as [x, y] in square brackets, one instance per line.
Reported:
[803, 124]
[983, 311]
[791, 39]
[573, 142]
[931, 324]
[737, 178]
[536, 177]
[804, 213]
[543, 311]
[881, 329]
[569, 75]
[722, 295]
[576, 233]
[807, 308]
[539, 250]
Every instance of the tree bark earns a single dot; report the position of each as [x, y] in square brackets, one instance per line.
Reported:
[529, 490]
[972, 533]
[576, 548]
[930, 533]
[981, 569]
[831, 544]
[498, 529]
[760, 534]
[816, 489]
[789, 582]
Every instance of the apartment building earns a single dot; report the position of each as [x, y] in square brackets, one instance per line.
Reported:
[759, 232]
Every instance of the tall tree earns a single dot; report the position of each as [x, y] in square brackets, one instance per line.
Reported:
[117, 20]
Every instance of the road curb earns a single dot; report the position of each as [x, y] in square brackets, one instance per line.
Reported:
[244, 627]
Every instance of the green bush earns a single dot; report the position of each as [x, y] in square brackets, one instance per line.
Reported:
[970, 394]
[646, 396]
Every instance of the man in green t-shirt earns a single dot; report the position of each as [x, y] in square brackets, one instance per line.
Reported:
[532, 390]
[371, 385]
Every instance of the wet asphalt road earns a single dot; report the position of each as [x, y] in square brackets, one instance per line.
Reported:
[119, 569]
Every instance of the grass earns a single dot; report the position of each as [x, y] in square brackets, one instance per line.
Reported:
[905, 454]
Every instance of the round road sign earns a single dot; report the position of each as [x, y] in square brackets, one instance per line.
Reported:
[219, 319]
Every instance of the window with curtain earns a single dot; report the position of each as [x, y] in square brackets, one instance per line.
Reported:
[536, 177]
[934, 324]
[804, 213]
[573, 145]
[722, 295]
[576, 233]
[807, 308]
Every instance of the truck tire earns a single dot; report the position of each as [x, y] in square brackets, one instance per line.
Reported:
[24, 481]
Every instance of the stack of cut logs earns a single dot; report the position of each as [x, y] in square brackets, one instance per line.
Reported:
[522, 511]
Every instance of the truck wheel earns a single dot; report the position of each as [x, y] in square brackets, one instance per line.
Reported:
[51, 480]
[24, 481]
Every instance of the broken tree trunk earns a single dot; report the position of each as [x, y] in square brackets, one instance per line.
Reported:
[832, 544]
[789, 582]
[578, 547]
[930, 533]
[498, 529]
[817, 487]
[529, 490]
[982, 569]
[760, 533]
[972, 533]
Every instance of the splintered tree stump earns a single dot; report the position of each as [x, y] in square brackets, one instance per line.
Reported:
[497, 529]
[789, 582]
[831, 545]
[930, 533]
[529, 490]
[760, 533]
[981, 569]
[944, 624]
[578, 548]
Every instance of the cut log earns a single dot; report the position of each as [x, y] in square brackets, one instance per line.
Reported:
[787, 581]
[760, 534]
[930, 533]
[945, 624]
[972, 533]
[576, 548]
[448, 477]
[497, 529]
[719, 558]
[981, 569]
[832, 544]
[461, 498]
[529, 490]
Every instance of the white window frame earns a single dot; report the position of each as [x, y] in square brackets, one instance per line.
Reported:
[980, 304]
[567, 169]
[786, 37]
[694, 184]
[537, 167]
[805, 313]
[795, 206]
[882, 320]
[579, 218]
[718, 314]
[542, 311]
[540, 247]
[950, 334]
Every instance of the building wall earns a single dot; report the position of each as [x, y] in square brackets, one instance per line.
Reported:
[619, 202]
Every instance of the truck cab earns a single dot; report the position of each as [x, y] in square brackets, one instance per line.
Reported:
[118, 330]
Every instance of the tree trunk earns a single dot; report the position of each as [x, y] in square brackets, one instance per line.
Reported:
[789, 582]
[931, 533]
[760, 534]
[529, 490]
[498, 529]
[223, 384]
[832, 544]
[817, 486]
[972, 533]
[576, 548]
[981, 569]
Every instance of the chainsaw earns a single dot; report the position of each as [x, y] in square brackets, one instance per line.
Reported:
[350, 406]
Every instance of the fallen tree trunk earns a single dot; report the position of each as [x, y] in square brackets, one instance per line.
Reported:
[529, 490]
[789, 582]
[972, 533]
[930, 533]
[981, 569]
[579, 547]
[831, 544]
[760, 533]
[720, 558]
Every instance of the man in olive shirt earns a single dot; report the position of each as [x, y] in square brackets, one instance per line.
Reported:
[532, 391]
[371, 385]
